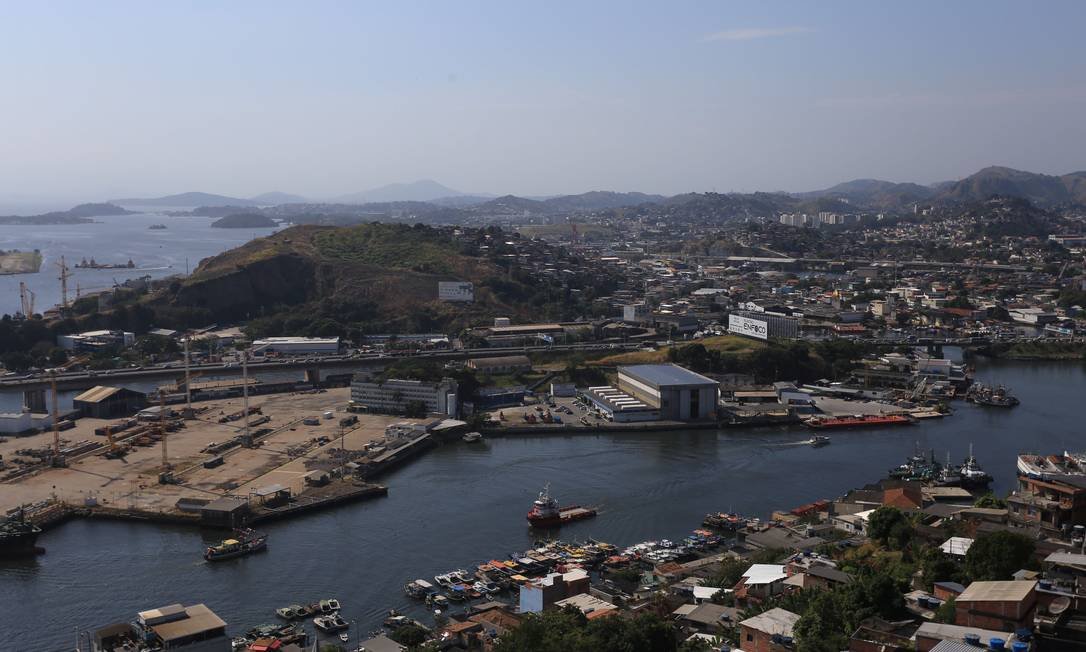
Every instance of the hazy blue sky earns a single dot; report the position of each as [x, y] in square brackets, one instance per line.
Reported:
[321, 98]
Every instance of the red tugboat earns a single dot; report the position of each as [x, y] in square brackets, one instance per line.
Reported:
[545, 511]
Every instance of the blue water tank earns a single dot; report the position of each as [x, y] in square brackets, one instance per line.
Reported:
[972, 639]
[996, 643]
[1019, 646]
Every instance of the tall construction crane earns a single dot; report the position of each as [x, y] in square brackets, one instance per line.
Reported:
[26, 299]
[65, 274]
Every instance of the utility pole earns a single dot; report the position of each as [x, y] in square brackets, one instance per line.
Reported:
[247, 439]
[57, 461]
[188, 382]
[162, 429]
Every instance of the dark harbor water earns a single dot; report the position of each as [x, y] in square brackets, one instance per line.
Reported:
[460, 505]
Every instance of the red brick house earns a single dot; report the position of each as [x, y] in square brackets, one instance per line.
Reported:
[997, 605]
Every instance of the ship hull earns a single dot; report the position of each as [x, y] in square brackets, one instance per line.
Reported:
[832, 424]
[236, 553]
[19, 545]
[565, 515]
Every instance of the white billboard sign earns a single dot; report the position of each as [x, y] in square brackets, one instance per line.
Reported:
[455, 291]
[748, 326]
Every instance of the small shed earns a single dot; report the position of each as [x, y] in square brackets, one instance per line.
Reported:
[272, 495]
[102, 402]
[317, 478]
[225, 512]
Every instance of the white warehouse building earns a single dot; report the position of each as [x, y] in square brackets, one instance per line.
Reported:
[679, 394]
[393, 395]
[296, 346]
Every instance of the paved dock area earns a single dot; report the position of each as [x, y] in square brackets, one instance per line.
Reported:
[514, 416]
[840, 407]
[132, 482]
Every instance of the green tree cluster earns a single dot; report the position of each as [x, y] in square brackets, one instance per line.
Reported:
[793, 360]
[568, 630]
[998, 555]
[831, 616]
[890, 527]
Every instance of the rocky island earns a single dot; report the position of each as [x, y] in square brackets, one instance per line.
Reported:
[244, 221]
[80, 214]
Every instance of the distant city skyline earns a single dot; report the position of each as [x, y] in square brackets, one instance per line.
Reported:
[119, 99]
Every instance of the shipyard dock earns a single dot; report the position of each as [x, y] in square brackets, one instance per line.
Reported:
[305, 449]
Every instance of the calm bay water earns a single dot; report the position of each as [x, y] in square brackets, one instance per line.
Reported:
[460, 505]
[112, 239]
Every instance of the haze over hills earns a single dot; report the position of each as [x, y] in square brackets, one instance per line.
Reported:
[275, 198]
[421, 190]
[185, 200]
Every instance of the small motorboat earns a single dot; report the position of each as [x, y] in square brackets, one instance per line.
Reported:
[346, 638]
[819, 440]
[396, 622]
[473, 437]
[418, 589]
[291, 612]
[244, 542]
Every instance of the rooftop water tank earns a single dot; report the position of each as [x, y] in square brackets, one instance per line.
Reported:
[996, 643]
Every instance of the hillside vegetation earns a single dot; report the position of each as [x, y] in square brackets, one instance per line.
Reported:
[322, 281]
[729, 344]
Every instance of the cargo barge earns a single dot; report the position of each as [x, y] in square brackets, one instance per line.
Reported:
[857, 421]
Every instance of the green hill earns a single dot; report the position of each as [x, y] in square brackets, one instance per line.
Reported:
[320, 280]
[244, 221]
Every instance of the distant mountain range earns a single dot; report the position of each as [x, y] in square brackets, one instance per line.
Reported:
[196, 199]
[863, 194]
[1038, 188]
[186, 200]
[1041, 189]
